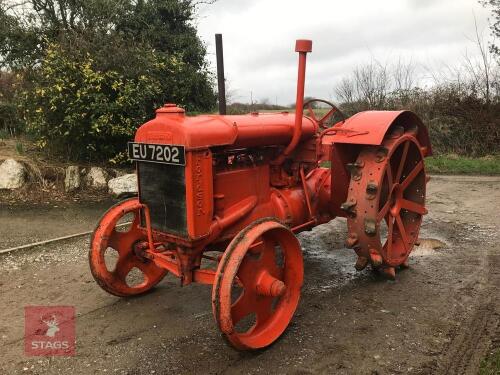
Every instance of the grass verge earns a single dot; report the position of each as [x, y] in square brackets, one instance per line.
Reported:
[453, 164]
[491, 364]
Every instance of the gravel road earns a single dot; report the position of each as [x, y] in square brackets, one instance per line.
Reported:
[441, 316]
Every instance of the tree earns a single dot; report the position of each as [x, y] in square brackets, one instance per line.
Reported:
[495, 25]
[93, 70]
[368, 86]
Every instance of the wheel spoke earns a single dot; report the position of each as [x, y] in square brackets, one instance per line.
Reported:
[387, 218]
[390, 235]
[248, 268]
[136, 221]
[123, 267]
[387, 205]
[114, 240]
[246, 272]
[385, 209]
[311, 113]
[268, 258]
[264, 309]
[390, 179]
[413, 207]
[118, 238]
[411, 176]
[329, 113]
[402, 232]
[148, 268]
[242, 307]
[122, 241]
[402, 162]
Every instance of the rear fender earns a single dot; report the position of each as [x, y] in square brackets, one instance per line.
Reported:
[370, 128]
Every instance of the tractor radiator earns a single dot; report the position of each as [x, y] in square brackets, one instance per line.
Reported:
[162, 187]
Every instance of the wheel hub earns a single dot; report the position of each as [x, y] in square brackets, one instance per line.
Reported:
[268, 285]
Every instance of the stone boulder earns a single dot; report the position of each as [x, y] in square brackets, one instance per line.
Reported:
[97, 178]
[72, 180]
[12, 175]
[119, 172]
[122, 186]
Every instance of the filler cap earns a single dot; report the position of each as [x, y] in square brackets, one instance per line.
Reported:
[170, 108]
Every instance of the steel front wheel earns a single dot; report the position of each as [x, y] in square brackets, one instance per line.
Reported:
[127, 273]
[257, 284]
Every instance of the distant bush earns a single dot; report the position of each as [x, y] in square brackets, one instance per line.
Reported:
[461, 122]
[458, 122]
[462, 112]
[244, 108]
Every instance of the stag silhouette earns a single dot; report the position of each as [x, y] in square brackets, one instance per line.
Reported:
[53, 326]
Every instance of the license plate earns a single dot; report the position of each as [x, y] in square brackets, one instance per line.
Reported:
[153, 153]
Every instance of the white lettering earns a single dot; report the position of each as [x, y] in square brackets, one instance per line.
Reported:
[167, 153]
[159, 154]
[135, 151]
[175, 155]
[144, 151]
[50, 345]
[152, 148]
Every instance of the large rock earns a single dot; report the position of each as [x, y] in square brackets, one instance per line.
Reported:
[119, 172]
[72, 179]
[12, 175]
[97, 178]
[124, 185]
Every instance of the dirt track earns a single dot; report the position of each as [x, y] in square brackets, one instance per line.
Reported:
[440, 316]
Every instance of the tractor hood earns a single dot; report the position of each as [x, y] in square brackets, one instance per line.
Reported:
[172, 126]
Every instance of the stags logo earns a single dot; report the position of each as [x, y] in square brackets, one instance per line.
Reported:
[49, 330]
[53, 326]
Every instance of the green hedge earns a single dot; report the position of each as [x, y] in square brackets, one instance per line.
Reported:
[78, 111]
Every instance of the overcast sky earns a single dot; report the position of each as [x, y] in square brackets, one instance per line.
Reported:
[259, 39]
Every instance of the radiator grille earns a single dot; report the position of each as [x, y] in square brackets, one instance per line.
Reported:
[162, 187]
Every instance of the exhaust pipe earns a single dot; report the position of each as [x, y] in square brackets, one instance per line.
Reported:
[219, 52]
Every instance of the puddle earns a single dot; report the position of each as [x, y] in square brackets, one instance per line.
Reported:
[337, 269]
[328, 263]
[428, 247]
[431, 243]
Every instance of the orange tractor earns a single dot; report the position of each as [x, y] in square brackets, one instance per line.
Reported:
[234, 191]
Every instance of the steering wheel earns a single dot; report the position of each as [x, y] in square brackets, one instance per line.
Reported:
[328, 115]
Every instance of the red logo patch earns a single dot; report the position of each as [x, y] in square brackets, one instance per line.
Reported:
[49, 330]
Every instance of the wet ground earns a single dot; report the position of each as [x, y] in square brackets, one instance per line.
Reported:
[441, 316]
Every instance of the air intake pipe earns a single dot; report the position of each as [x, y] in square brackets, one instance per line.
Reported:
[303, 47]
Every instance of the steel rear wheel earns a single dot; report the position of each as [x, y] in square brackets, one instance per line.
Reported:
[127, 246]
[386, 203]
[257, 286]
